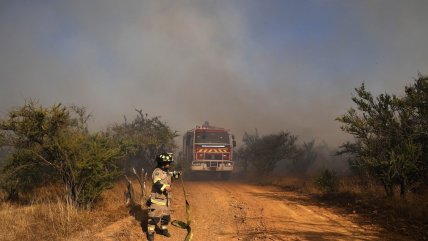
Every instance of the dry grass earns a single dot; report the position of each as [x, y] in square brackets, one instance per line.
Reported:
[49, 218]
[50, 221]
[346, 185]
[299, 184]
[404, 215]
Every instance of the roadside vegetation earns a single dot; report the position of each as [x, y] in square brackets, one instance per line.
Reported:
[58, 179]
[382, 172]
[390, 137]
[47, 217]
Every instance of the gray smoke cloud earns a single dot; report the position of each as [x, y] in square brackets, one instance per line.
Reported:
[240, 65]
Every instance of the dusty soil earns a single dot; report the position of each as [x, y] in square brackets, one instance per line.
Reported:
[239, 211]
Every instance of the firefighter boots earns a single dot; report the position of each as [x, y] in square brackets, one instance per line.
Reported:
[165, 233]
[150, 237]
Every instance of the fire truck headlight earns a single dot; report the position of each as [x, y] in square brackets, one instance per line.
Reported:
[228, 164]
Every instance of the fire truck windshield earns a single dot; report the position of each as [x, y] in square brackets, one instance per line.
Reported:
[211, 137]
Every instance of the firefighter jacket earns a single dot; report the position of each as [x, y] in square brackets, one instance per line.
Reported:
[161, 180]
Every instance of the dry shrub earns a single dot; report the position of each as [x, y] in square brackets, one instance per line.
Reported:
[346, 184]
[360, 186]
[414, 207]
[49, 221]
[114, 198]
[47, 194]
[296, 183]
[50, 218]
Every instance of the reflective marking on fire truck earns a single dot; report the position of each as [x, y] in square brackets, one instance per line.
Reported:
[206, 150]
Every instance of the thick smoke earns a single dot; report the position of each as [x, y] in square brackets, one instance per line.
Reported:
[243, 65]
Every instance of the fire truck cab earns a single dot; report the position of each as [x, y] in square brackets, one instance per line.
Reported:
[209, 149]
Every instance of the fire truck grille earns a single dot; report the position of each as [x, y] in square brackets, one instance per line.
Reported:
[213, 164]
[213, 156]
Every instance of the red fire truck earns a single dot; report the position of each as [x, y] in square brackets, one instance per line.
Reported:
[209, 149]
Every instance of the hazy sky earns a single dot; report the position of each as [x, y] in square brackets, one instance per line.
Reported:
[266, 64]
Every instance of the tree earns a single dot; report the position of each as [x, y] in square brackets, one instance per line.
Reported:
[265, 152]
[244, 154]
[306, 156]
[390, 135]
[416, 100]
[148, 135]
[53, 145]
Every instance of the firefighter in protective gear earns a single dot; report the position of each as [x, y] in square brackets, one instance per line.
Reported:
[158, 203]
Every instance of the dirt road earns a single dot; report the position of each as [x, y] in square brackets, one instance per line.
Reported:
[239, 211]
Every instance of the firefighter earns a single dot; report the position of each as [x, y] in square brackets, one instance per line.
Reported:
[158, 203]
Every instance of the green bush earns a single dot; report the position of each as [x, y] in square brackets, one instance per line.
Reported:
[327, 181]
[390, 136]
[263, 153]
[53, 145]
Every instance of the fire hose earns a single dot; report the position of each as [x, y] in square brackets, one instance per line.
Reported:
[181, 224]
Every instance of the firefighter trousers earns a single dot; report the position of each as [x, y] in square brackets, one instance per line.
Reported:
[158, 213]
